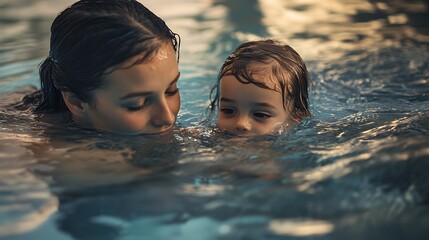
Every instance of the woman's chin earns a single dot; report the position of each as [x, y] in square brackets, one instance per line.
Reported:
[161, 132]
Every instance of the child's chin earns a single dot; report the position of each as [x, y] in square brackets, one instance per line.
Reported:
[244, 134]
[248, 134]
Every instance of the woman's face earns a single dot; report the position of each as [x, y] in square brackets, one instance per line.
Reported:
[141, 99]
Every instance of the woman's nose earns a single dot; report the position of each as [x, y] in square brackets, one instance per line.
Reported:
[162, 115]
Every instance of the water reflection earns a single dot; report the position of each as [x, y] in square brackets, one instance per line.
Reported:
[26, 201]
[25, 28]
[327, 30]
[300, 228]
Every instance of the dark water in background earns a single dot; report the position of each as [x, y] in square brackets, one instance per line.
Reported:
[358, 169]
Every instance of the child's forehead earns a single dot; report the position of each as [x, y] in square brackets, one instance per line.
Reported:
[257, 72]
[258, 67]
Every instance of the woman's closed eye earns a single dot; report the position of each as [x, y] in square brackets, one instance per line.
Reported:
[138, 107]
[172, 92]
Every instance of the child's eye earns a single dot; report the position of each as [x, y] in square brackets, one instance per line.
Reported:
[261, 115]
[172, 93]
[228, 111]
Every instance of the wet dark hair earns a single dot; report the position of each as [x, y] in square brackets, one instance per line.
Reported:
[271, 57]
[90, 37]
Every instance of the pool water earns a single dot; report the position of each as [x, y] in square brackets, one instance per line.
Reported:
[357, 169]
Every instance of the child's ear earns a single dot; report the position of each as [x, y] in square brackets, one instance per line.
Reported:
[76, 106]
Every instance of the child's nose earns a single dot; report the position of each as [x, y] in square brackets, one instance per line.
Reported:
[243, 123]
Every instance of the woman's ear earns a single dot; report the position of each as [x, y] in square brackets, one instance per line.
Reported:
[76, 106]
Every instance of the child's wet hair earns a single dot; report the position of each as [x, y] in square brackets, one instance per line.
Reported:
[94, 36]
[276, 60]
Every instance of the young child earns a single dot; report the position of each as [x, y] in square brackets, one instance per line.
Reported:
[112, 66]
[262, 87]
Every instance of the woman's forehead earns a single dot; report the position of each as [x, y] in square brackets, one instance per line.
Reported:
[163, 52]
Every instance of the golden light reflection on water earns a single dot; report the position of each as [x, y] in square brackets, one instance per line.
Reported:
[23, 137]
[28, 9]
[197, 22]
[318, 30]
[300, 228]
[324, 20]
[329, 26]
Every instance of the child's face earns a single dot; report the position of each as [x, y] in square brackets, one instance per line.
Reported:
[249, 110]
[141, 99]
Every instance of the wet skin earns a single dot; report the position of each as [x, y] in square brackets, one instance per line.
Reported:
[141, 99]
[249, 110]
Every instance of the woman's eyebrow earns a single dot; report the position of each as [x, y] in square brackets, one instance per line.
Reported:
[175, 79]
[143, 94]
[135, 94]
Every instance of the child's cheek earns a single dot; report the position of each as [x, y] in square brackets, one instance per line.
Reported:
[223, 124]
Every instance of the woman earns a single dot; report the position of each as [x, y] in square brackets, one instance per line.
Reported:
[113, 66]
